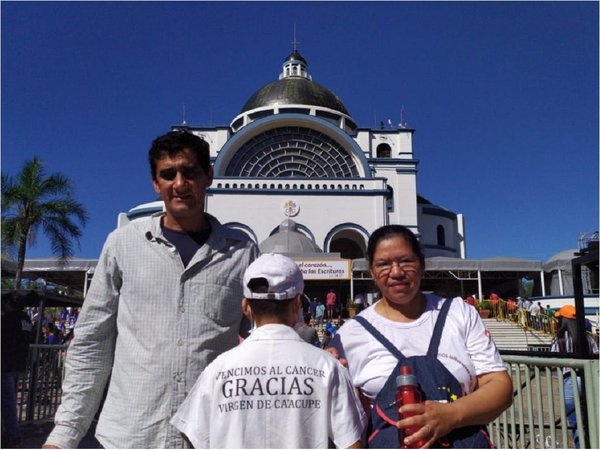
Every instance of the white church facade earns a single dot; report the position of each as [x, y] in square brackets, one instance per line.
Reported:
[294, 156]
[297, 175]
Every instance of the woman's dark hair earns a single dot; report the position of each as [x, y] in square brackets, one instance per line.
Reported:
[177, 141]
[566, 338]
[390, 231]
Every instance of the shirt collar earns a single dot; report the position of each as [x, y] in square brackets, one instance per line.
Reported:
[274, 331]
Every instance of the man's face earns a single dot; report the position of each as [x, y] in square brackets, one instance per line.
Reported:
[182, 184]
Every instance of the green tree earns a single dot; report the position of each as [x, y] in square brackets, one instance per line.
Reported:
[30, 201]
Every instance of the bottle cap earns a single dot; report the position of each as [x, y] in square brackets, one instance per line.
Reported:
[406, 377]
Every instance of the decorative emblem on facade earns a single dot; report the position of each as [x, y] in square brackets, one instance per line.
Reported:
[291, 208]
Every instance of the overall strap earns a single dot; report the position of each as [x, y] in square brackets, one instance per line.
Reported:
[380, 337]
[439, 328]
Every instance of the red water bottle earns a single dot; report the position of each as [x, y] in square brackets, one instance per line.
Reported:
[407, 393]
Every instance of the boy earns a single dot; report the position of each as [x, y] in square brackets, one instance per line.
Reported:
[274, 390]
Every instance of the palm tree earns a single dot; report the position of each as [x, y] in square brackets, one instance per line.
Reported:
[32, 200]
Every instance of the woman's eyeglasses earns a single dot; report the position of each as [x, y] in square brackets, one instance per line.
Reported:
[384, 268]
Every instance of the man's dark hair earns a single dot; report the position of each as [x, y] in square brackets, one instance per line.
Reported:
[177, 141]
[277, 308]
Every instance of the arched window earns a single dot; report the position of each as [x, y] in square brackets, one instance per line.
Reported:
[384, 151]
[390, 199]
[441, 235]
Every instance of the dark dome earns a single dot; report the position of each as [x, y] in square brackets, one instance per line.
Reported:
[294, 90]
[295, 55]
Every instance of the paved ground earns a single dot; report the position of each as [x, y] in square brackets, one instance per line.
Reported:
[35, 434]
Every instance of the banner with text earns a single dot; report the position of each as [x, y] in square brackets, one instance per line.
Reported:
[325, 270]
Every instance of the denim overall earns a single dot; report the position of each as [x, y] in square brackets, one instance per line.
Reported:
[435, 382]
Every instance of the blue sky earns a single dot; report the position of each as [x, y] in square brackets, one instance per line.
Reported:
[503, 97]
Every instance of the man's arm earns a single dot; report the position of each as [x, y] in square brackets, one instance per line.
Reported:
[90, 356]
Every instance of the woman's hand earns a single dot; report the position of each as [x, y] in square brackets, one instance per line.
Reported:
[435, 419]
[333, 351]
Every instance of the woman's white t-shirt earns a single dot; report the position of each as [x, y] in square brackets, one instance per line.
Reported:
[466, 348]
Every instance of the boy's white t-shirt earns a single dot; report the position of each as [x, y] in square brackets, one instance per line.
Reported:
[272, 391]
[466, 348]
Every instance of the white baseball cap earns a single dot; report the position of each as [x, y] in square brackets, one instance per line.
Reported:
[283, 277]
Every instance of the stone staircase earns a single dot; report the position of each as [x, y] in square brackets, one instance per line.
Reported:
[506, 335]
[509, 336]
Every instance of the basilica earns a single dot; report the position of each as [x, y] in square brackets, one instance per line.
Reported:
[296, 174]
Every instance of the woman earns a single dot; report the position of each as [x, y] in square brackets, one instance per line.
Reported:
[565, 342]
[461, 348]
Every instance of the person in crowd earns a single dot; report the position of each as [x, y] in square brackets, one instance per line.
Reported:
[519, 302]
[312, 307]
[308, 333]
[330, 300]
[534, 313]
[444, 342]
[329, 326]
[64, 314]
[179, 270]
[511, 307]
[542, 309]
[566, 341]
[51, 334]
[272, 374]
[17, 334]
[72, 319]
[359, 301]
[320, 312]
[325, 339]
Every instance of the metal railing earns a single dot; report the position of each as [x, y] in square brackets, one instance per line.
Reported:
[542, 323]
[40, 388]
[536, 418]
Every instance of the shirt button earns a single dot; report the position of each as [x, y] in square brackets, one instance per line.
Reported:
[180, 342]
[182, 309]
[178, 377]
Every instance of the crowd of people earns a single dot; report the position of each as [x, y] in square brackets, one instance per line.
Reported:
[57, 323]
[525, 312]
[240, 365]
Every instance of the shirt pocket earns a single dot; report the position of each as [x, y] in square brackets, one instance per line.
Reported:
[220, 299]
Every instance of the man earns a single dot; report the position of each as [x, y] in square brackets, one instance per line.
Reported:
[534, 311]
[306, 332]
[163, 303]
[330, 300]
[274, 390]
[313, 307]
[320, 312]
[17, 334]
